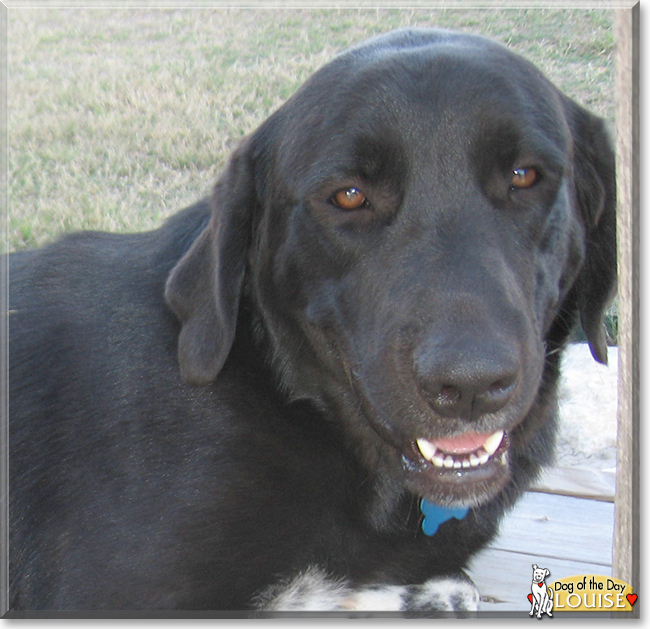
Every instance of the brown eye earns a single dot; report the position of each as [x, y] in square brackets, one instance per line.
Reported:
[350, 199]
[523, 178]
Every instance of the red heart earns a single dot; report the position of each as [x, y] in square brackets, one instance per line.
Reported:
[540, 584]
[530, 597]
[631, 598]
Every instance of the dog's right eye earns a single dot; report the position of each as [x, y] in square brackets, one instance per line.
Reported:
[350, 199]
[523, 178]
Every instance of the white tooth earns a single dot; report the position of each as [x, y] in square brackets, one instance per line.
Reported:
[483, 457]
[493, 442]
[427, 449]
[457, 465]
[474, 461]
[438, 460]
[449, 462]
[466, 463]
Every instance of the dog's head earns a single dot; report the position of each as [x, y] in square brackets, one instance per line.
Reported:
[539, 574]
[416, 231]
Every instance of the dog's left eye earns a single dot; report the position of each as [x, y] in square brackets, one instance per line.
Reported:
[523, 178]
[350, 199]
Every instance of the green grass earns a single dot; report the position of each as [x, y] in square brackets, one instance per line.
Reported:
[119, 118]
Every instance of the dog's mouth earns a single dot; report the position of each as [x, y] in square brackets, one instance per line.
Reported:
[465, 452]
[467, 469]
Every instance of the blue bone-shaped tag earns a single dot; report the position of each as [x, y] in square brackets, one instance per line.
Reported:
[435, 515]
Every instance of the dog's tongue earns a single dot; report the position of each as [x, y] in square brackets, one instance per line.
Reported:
[468, 442]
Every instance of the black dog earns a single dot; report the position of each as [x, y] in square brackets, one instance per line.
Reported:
[243, 409]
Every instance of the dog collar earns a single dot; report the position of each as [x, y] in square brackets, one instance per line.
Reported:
[435, 515]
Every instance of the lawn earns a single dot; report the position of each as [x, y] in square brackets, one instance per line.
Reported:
[118, 118]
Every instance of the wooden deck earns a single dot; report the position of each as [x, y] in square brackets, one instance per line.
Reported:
[566, 525]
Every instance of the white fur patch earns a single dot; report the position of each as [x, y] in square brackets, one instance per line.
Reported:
[445, 594]
[311, 590]
[315, 591]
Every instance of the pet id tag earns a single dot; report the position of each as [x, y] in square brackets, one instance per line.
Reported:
[435, 515]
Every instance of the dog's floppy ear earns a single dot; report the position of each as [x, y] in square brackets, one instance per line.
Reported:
[204, 288]
[595, 187]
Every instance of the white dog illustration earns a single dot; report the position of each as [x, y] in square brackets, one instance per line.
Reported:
[542, 595]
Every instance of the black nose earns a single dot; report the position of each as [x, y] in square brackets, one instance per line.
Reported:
[467, 381]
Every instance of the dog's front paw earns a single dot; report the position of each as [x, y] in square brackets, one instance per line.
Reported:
[456, 596]
[444, 594]
[315, 590]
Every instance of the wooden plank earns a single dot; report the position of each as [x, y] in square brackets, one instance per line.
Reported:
[504, 577]
[559, 526]
[578, 482]
[626, 548]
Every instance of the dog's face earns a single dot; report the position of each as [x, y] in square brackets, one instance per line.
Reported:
[414, 230]
[539, 574]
